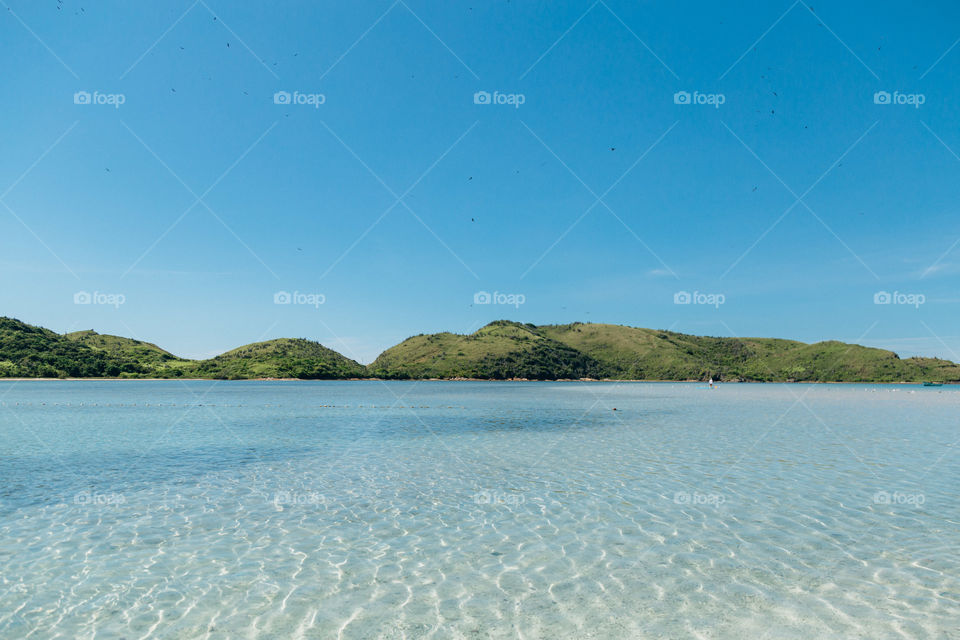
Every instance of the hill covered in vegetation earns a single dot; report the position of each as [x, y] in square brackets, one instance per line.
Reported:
[27, 351]
[497, 351]
[647, 354]
[501, 350]
[511, 350]
[280, 358]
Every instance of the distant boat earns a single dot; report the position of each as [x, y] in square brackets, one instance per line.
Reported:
[933, 384]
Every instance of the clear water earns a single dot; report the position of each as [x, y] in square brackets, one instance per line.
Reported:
[475, 510]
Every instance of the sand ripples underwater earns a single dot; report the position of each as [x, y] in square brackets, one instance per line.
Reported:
[476, 510]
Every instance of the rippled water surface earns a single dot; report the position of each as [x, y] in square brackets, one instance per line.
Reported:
[473, 510]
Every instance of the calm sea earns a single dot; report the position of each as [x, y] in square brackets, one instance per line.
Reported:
[176, 509]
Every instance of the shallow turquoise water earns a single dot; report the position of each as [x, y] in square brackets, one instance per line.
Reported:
[473, 510]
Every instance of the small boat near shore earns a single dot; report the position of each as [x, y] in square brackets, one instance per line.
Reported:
[933, 384]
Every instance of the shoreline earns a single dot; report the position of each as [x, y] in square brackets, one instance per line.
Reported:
[458, 379]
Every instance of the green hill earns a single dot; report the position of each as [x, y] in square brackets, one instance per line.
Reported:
[280, 358]
[33, 352]
[501, 350]
[506, 349]
[136, 358]
[122, 347]
[646, 354]
[498, 351]
[27, 351]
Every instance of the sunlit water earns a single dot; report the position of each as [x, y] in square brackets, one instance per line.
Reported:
[475, 510]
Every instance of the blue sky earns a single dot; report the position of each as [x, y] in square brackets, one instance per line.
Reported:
[603, 196]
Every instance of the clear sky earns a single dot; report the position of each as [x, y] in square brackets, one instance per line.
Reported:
[584, 182]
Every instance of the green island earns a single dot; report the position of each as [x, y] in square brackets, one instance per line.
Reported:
[502, 350]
